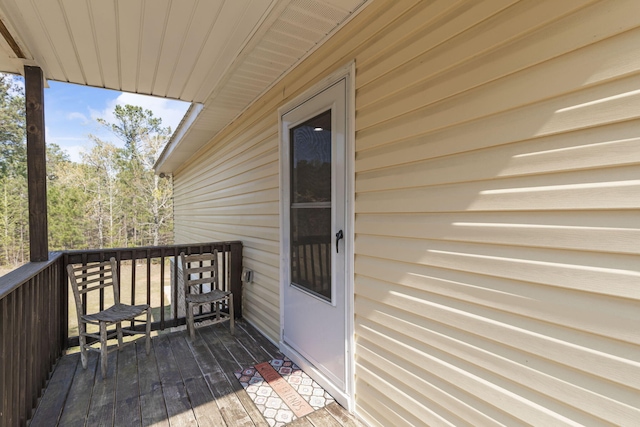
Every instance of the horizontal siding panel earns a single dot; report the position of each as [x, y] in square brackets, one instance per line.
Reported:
[599, 105]
[554, 192]
[444, 394]
[541, 81]
[458, 19]
[374, 406]
[531, 387]
[260, 316]
[265, 208]
[208, 234]
[439, 74]
[233, 188]
[494, 390]
[266, 270]
[612, 275]
[242, 199]
[247, 146]
[606, 360]
[402, 32]
[614, 145]
[592, 396]
[263, 257]
[238, 220]
[488, 132]
[263, 289]
[523, 305]
[250, 170]
[604, 231]
[266, 233]
[380, 379]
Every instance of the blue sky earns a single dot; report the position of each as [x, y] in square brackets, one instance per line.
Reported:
[71, 110]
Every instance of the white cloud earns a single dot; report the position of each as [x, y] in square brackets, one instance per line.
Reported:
[75, 152]
[78, 116]
[170, 111]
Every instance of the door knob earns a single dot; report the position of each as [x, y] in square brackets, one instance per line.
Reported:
[339, 236]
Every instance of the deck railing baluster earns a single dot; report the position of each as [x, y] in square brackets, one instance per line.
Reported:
[162, 261]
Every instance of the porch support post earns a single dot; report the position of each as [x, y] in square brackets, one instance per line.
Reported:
[36, 165]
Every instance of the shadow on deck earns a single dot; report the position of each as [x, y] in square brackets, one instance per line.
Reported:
[180, 383]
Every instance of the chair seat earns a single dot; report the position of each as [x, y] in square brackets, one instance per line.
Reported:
[116, 313]
[207, 296]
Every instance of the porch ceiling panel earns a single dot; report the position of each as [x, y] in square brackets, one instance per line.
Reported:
[292, 30]
[168, 48]
[219, 53]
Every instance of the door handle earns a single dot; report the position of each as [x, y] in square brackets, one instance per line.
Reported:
[339, 236]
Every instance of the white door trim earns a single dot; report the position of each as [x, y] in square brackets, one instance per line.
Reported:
[347, 72]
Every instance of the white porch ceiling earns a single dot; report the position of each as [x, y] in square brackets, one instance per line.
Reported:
[219, 53]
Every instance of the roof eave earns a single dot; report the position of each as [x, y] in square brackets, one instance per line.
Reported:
[170, 159]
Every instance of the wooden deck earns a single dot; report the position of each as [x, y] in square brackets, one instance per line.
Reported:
[180, 383]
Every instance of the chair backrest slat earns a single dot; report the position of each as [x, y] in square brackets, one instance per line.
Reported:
[197, 270]
[202, 281]
[82, 289]
[94, 265]
[93, 277]
[194, 273]
[202, 257]
[106, 276]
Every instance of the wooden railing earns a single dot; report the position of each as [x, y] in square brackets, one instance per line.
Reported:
[35, 325]
[33, 334]
[148, 275]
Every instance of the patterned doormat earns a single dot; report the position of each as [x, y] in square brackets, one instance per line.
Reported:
[281, 391]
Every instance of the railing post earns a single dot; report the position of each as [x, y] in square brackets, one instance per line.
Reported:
[236, 277]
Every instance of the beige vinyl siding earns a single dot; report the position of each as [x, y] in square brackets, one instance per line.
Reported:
[497, 216]
[231, 193]
[497, 228]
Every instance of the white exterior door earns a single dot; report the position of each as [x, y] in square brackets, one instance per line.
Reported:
[314, 312]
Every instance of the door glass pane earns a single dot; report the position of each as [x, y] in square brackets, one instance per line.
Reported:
[311, 250]
[311, 160]
[311, 205]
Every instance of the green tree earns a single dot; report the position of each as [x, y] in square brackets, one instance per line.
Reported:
[13, 173]
[66, 201]
[132, 125]
[145, 209]
[13, 151]
[102, 165]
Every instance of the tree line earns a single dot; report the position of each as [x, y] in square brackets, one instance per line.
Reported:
[111, 198]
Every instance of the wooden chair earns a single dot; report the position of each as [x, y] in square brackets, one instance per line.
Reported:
[201, 272]
[92, 278]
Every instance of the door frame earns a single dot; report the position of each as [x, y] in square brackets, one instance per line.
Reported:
[347, 72]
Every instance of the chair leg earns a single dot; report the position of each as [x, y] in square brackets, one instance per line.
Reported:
[82, 330]
[232, 321]
[190, 325]
[147, 343]
[119, 333]
[103, 348]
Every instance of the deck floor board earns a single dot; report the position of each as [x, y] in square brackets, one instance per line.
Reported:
[180, 383]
